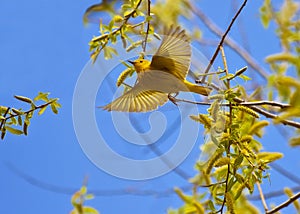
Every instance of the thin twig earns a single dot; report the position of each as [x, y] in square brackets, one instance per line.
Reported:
[270, 115]
[229, 41]
[211, 73]
[227, 83]
[262, 196]
[210, 185]
[221, 42]
[3, 120]
[226, 187]
[284, 204]
[31, 110]
[254, 103]
[254, 108]
[274, 116]
[148, 25]
[266, 102]
[126, 19]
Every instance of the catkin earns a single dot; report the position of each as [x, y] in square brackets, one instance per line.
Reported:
[123, 76]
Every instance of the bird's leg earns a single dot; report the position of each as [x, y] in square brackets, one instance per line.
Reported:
[172, 98]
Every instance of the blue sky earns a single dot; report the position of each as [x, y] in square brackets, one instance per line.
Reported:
[44, 47]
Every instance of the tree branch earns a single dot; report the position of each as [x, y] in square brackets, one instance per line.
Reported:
[229, 41]
[254, 103]
[31, 110]
[126, 19]
[148, 25]
[284, 204]
[262, 196]
[254, 108]
[221, 41]
[3, 120]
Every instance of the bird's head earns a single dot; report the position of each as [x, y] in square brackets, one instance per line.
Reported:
[140, 64]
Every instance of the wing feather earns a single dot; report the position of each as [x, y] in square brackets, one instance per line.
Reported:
[136, 100]
[174, 53]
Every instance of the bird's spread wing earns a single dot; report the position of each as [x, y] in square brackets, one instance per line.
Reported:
[138, 99]
[174, 53]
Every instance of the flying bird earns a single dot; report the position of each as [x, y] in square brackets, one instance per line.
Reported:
[163, 75]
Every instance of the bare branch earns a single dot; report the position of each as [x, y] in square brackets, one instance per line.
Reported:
[221, 41]
[254, 108]
[229, 41]
[148, 25]
[284, 204]
[262, 196]
[254, 103]
[274, 116]
[3, 121]
[126, 19]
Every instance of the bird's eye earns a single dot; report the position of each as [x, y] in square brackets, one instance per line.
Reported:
[141, 61]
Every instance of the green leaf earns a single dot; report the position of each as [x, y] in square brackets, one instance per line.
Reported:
[245, 78]
[16, 111]
[25, 128]
[42, 96]
[20, 120]
[57, 105]
[54, 109]
[266, 13]
[13, 130]
[27, 120]
[111, 25]
[83, 190]
[230, 183]
[24, 99]
[89, 196]
[3, 109]
[42, 110]
[13, 120]
[268, 157]
[238, 161]
[126, 6]
[211, 205]
[134, 45]
[228, 76]
[239, 178]
[89, 210]
[295, 141]
[108, 51]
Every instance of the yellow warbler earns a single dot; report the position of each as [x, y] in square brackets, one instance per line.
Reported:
[165, 74]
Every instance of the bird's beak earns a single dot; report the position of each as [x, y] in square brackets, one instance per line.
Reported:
[132, 62]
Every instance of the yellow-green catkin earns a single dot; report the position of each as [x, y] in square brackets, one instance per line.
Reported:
[222, 161]
[294, 141]
[217, 97]
[246, 138]
[203, 119]
[214, 109]
[123, 76]
[247, 110]
[229, 203]
[211, 162]
[257, 126]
